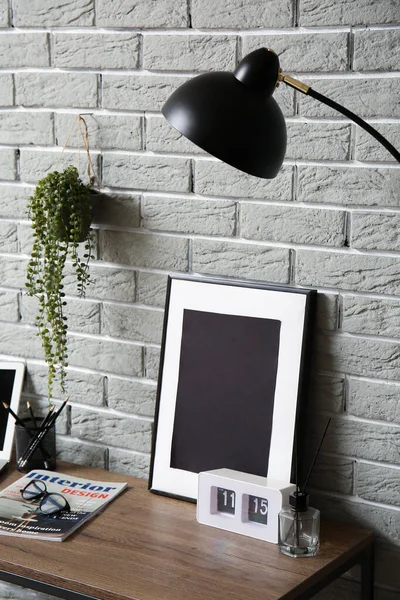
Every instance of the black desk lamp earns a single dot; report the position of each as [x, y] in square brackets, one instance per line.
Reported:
[234, 117]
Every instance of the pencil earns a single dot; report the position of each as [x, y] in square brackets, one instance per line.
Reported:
[56, 415]
[29, 407]
[47, 417]
[12, 413]
[46, 455]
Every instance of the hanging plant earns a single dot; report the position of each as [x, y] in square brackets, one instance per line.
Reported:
[61, 212]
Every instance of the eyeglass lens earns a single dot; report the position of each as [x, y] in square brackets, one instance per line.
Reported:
[34, 489]
[51, 503]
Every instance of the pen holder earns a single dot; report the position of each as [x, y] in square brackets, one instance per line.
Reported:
[44, 457]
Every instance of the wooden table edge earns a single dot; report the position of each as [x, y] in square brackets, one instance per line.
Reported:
[331, 571]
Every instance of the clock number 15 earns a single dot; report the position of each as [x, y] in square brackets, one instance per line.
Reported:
[258, 510]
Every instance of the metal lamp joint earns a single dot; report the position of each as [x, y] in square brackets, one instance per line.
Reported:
[292, 82]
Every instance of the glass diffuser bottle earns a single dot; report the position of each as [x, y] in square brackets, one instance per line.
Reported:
[299, 527]
[298, 523]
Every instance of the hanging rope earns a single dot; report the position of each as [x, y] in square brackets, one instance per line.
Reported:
[83, 132]
[85, 135]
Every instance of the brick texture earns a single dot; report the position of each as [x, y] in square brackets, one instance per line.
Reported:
[374, 400]
[107, 132]
[4, 13]
[341, 12]
[366, 50]
[39, 13]
[146, 172]
[367, 231]
[9, 306]
[132, 396]
[105, 51]
[189, 216]
[328, 221]
[137, 92]
[26, 128]
[378, 484]
[152, 289]
[379, 97]
[6, 89]
[361, 272]
[24, 50]
[56, 89]
[8, 164]
[367, 148]
[35, 164]
[349, 186]
[299, 225]
[232, 14]
[161, 252]
[371, 316]
[132, 323]
[111, 430]
[145, 14]
[304, 52]
[241, 260]
[218, 179]
[189, 53]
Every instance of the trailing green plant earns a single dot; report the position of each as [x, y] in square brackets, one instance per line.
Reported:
[61, 210]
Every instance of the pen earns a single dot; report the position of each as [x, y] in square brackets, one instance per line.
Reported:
[16, 417]
[44, 429]
[46, 418]
[44, 451]
[29, 407]
[56, 415]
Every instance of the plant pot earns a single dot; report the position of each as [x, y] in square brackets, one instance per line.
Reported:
[63, 228]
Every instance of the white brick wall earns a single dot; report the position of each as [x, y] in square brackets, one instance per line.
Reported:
[329, 221]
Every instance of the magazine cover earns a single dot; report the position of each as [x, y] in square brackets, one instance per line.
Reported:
[49, 506]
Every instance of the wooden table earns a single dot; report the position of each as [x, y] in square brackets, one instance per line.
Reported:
[149, 547]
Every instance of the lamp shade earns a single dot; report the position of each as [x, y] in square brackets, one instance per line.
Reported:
[233, 115]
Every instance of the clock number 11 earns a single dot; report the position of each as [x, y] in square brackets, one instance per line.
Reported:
[226, 501]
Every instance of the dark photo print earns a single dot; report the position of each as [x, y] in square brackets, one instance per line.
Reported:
[225, 397]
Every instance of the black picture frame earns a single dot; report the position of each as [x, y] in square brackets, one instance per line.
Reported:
[233, 366]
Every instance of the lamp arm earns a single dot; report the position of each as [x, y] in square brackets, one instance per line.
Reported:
[308, 91]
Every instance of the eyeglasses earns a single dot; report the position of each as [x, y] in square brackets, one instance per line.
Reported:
[50, 503]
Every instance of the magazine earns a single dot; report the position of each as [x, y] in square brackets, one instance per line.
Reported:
[24, 517]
